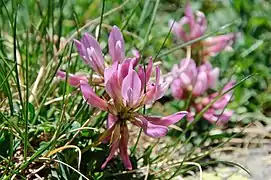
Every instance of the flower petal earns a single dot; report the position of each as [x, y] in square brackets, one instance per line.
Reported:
[90, 96]
[201, 84]
[90, 50]
[116, 45]
[115, 139]
[113, 88]
[124, 147]
[123, 69]
[189, 13]
[152, 130]
[213, 77]
[168, 120]
[131, 88]
[73, 80]
[149, 70]
[176, 88]
[108, 72]
[111, 120]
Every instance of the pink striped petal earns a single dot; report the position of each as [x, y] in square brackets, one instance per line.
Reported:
[90, 50]
[131, 88]
[116, 45]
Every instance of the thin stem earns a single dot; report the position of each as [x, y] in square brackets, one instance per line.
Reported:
[101, 21]
[26, 99]
[164, 41]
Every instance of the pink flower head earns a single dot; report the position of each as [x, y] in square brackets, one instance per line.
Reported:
[189, 78]
[193, 26]
[213, 114]
[129, 87]
[190, 27]
[125, 86]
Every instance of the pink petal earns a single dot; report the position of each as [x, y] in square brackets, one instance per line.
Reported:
[168, 120]
[149, 70]
[90, 96]
[228, 86]
[150, 94]
[136, 53]
[201, 84]
[213, 77]
[108, 72]
[116, 45]
[142, 76]
[111, 120]
[189, 68]
[161, 90]
[89, 49]
[152, 130]
[131, 88]
[189, 13]
[176, 89]
[114, 146]
[73, 80]
[212, 41]
[201, 20]
[123, 69]
[124, 147]
[226, 115]
[178, 30]
[113, 88]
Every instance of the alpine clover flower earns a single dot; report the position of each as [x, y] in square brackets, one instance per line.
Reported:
[194, 25]
[192, 79]
[129, 88]
[217, 113]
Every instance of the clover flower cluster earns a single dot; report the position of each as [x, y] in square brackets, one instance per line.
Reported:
[195, 78]
[128, 88]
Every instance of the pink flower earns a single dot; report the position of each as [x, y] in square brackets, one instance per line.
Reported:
[129, 88]
[214, 113]
[125, 86]
[196, 25]
[193, 26]
[189, 78]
